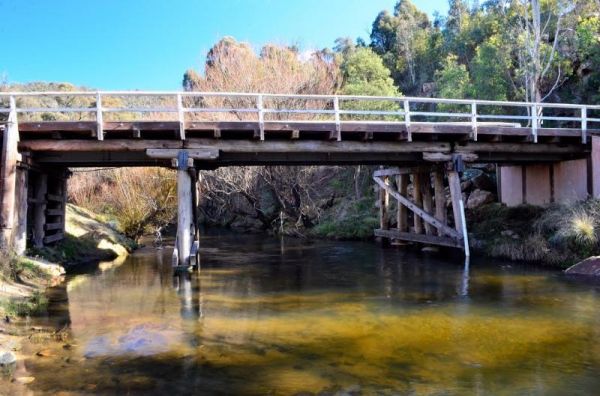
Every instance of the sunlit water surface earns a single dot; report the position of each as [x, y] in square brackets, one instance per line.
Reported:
[266, 316]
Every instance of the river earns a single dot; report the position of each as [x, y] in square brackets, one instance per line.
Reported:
[271, 316]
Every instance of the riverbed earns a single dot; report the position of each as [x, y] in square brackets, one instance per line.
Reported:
[287, 316]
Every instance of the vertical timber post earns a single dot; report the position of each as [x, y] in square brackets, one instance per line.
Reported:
[458, 207]
[39, 212]
[20, 233]
[402, 220]
[184, 209]
[384, 203]
[440, 198]
[427, 199]
[418, 199]
[8, 177]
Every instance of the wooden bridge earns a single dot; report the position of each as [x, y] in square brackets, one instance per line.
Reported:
[426, 140]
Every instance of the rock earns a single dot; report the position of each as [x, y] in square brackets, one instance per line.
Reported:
[7, 358]
[483, 182]
[478, 198]
[44, 353]
[589, 267]
[24, 380]
[430, 249]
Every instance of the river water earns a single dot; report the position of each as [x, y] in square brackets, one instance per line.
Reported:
[271, 316]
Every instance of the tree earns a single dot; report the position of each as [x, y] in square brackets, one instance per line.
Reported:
[364, 73]
[488, 71]
[266, 193]
[453, 81]
[412, 32]
[542, 31]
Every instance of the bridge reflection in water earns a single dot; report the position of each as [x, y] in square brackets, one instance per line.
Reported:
[262, 317]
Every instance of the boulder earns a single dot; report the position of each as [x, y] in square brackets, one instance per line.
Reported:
[590, 267]
[483, 182]
[478, 198]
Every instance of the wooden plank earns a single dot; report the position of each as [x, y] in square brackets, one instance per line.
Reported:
[233, 146]
[199, 154]
[420, 238]
[54, 238]
[444, 157]
[55, 212]
[418, 200]
[402, 212]
[60, 126]
[141, 126]
[529, 148]
[54, 198]
[384, 203]
[401, 171]
[408, 203]
[54, 226]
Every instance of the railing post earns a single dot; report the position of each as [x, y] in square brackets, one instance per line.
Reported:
[474, 120]
[407, 119]
[99, 118]
[261, 116]
[584, 125]
[338, 125]
[534, 122]
[181, 116]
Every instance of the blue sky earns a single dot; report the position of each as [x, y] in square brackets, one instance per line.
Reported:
[148, 44]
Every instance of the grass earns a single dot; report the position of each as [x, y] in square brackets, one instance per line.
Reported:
[34, 305]
[559, 235]
[352, 220]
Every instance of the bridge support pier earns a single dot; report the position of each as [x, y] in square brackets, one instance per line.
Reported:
[186, 252]
[430, 218]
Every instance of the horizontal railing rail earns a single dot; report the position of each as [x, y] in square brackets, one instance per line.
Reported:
[337, 109]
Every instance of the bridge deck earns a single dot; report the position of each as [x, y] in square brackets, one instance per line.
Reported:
[125, 143]
[117, 128]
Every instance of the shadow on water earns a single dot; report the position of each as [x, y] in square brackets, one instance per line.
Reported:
[270, 316]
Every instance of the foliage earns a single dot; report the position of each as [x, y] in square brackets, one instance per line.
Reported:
[141, 200]
[354, 219]
[34, 305]
[514, 50]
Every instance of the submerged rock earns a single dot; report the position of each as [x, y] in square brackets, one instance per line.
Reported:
[7, 358]
[590, 266]
[25, 380]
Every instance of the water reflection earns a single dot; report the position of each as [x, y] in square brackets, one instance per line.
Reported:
[267, 315]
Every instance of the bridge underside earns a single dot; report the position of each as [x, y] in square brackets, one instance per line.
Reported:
[74, 144]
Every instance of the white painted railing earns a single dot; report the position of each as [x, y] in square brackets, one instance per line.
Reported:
[338, 109]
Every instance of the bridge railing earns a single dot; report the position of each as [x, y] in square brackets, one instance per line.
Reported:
[101, 106]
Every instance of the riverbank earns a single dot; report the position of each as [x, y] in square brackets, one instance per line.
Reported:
[25, 280]
[89, 238]
[557, 236]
